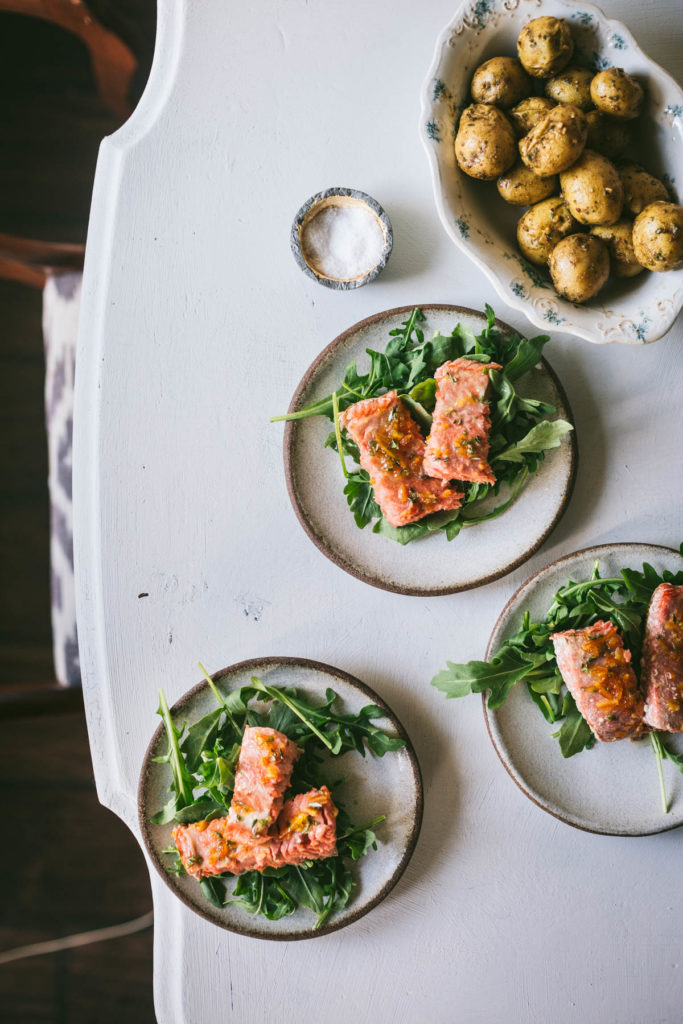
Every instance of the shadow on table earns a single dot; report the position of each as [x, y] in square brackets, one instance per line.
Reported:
[416, 241]
[441, 783]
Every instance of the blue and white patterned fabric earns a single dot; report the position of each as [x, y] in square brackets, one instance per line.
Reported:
[61, 302]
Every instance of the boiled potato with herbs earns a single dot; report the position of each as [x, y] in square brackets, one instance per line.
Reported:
[542, 227]
[640, 188]
[545, 46]
[529, 112]
[617, 94]
[573, 85]
[521, 187]
[619, 240]
[501, 81]
[485, 145]
[605, 135]
[658, 236]
[556, 142]
[592, 189]
[579, 267]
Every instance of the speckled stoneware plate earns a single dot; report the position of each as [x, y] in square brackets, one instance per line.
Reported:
[431, 565]
[482, 225]
[613, 788]
[390, 785]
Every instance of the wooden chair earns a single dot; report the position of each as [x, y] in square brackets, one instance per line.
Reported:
[55, 268]
[114, 64]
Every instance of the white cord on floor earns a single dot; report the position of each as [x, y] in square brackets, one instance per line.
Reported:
[116, 931]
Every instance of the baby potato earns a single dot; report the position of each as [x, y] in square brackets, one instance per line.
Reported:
[640, 188]
[573, 85]
[485, 145]
[521, 187]
[545, 46]
[556, 142]
[617, 94]
[658, 236]
[605, 135]
[529, 112]
[619, 240]
[579, 266]
[542, 227]
[592, 190]
[501, 81]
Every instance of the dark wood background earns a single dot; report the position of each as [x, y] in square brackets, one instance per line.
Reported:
[67, 864]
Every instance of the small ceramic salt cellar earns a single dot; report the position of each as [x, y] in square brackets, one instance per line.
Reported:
[342, 238]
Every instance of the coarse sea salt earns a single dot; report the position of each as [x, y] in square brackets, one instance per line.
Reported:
[343, 242]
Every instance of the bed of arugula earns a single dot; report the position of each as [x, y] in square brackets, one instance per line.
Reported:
[528, 656]
[520, 433]
[203, 759]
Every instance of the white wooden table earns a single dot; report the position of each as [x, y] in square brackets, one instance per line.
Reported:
[196, 327]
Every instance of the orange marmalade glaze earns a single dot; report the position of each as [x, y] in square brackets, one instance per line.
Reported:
[612, 677]
[388, 444]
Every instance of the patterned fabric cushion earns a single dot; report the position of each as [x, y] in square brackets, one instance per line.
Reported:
[61, 302]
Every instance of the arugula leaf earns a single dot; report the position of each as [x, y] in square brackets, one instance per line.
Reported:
[546, 434]
[361, 498]
[200, 735]
[575, 732]
[527, 355]
[497, 676]
[182, 784]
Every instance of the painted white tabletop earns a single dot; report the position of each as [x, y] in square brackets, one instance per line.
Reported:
[196, 326]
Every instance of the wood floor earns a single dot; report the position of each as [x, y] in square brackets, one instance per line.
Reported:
[66, 864]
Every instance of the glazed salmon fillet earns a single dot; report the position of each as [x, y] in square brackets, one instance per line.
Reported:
[662, 665]
[307, 830]
[263, 773]
[392, 451]
[458, 443]
[597, 669]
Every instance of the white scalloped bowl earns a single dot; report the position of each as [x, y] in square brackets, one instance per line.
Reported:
[635, 311]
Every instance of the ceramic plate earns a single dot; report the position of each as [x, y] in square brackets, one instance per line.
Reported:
[613, 788]
[431, 565]
[636, 311]
[391, 785]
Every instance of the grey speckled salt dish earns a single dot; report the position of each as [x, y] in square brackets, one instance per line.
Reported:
[339, 197]
[390, 785]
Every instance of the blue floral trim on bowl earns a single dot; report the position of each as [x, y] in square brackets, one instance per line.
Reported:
[518, 289]
[551, 316]
[618, 42]
[463, 227]
[640, 329]
[674, 110]
[583, 18]
[439, 89]
[600, 63]
[433, 132]
[481, 11]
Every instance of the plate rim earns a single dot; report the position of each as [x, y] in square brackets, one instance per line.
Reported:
[413, 836]
[514, 774]
[339, 560]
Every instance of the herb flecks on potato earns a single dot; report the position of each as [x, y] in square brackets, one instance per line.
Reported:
[658, 237]
[579, 267]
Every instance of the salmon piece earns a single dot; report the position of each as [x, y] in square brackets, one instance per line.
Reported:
[392, 451]
[263, 773]
[662, 665]
[597, 669]
[307, 831]
[458, 443]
